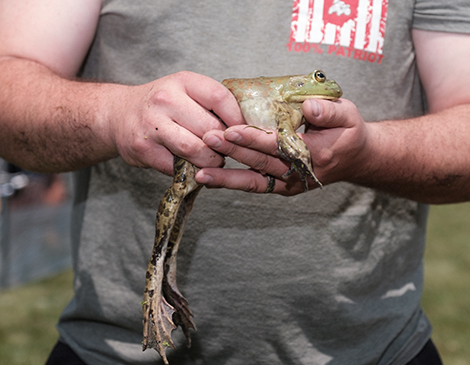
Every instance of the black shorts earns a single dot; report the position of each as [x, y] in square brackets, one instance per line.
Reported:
[62, 354]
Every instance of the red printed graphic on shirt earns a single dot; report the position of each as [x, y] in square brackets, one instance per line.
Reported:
[347, 28]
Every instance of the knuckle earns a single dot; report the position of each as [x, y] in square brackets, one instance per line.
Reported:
[261, 164]
[183, 75]
[184, 78]
[220, 94]
[139, 146]
[253, 186]
[162, 97]
[186, 150]
[323, 158]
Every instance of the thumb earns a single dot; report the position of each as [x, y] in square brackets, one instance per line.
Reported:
[329, 114]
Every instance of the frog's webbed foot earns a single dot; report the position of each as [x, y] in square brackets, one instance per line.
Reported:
[293, 149]
[163, 305]
[158, 322]
[182, 315]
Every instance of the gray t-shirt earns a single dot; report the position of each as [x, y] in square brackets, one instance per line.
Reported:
[327, 277]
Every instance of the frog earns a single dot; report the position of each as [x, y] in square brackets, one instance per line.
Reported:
[275, 103]
[267, 103]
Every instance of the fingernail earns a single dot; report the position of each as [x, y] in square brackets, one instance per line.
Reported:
[233, 136]
[315, 107]
[213, 141]
[203, 178]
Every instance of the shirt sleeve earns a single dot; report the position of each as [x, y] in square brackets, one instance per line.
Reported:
[451, 16]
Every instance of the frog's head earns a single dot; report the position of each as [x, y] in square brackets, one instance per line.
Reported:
[315, 85]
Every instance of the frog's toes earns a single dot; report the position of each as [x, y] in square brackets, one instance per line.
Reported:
[295, 151]
[303, 170]
[158, 325]
[182, 315]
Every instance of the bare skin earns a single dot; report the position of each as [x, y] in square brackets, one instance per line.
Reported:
[101, 121]
[57, 124]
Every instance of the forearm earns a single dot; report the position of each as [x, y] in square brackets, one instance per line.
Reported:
[51, 124]
[425, 159]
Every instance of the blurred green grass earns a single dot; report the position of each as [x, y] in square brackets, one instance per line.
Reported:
[28, 314]
[446, 298]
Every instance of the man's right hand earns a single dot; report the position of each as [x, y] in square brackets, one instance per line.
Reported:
[149, 123]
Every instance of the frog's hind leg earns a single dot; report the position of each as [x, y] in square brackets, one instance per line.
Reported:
[182, 315]
[157, 312]
[293, 149]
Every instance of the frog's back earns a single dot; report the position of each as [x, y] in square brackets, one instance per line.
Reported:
[290, 89]
[264, 87]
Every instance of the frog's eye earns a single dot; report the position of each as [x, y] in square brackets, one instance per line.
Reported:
[319, 76]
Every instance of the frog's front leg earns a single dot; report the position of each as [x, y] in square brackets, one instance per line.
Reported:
[160, 313]
[291, 147]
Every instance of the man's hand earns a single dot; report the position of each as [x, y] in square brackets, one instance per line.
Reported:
[425, 159]
[53, 124]
[336, 138]
[150, 122]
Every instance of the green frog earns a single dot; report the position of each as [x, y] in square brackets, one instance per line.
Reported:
[275, 103]
[268, 103]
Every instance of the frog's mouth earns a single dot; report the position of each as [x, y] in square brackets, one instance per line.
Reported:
[302, 98]
[328, 92]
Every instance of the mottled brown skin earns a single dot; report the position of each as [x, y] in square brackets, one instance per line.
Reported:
[163, 306]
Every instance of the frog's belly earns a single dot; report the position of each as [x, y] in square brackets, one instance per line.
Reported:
[262, 112]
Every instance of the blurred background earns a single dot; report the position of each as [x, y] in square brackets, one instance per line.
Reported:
[34, 225]
[36, 279]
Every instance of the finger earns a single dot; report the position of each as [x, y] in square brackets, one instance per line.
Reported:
[154, 147]
[252, 137]
[245, 180]
[174, 103]
[185, 144]
[257, 160]
[202, 95]
[160, 159]
[215, 97]
[328, 114]
[148, 155]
